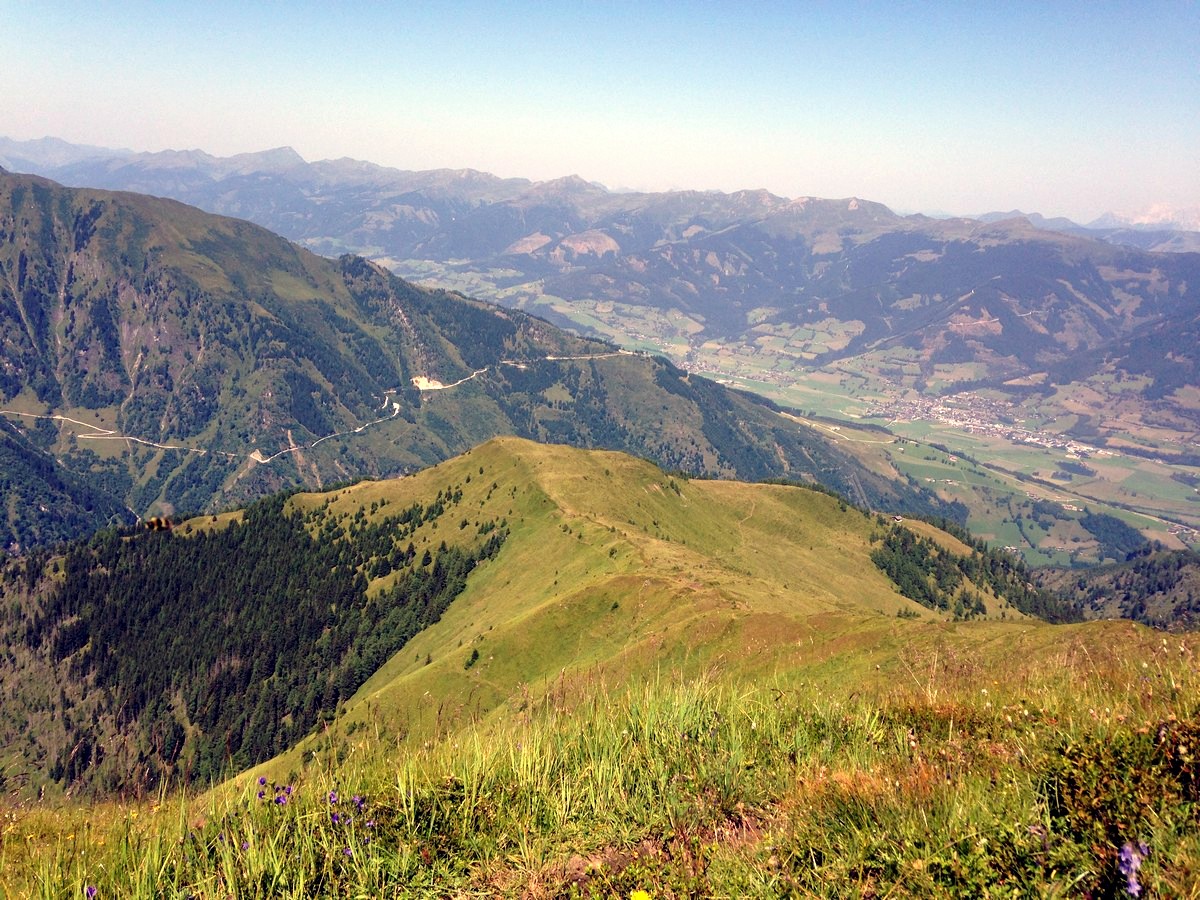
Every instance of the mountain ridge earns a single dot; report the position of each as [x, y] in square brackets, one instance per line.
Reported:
[49, 154]
[208, 347]
[717, 259]
[629, 566]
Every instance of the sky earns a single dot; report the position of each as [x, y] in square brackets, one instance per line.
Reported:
[1064, 108]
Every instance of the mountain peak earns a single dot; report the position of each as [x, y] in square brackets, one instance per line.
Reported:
[819, 205]
[1157, 216]
[759, 196]
[571, 184]
[276, 160]
[176, 159]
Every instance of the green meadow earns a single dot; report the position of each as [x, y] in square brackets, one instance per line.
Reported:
[932, 778]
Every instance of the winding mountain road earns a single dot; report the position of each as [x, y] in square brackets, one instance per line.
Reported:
[421, 383]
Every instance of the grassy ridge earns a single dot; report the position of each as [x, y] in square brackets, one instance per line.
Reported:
[611, 566]
[685, 687]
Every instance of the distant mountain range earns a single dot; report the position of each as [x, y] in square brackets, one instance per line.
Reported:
[816, 280]
[795, 283]
[90, 166]
[1176, 232]
[155, 358]
[1159, 216]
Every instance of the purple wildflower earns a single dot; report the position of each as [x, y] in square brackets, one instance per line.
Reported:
[333, 798]
[335, 818]
[89, 891]
[359, 802]
[1130, 861]
[288, 790]
[262, 780]
[245, 845]
[347, 852]
[281, 799]
[370, 823]
[261, 794]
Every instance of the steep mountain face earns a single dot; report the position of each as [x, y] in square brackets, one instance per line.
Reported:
[796, 283]
[133, 659]
[187, 362]
[1005, 294]
[44, 501]
[1163, 352]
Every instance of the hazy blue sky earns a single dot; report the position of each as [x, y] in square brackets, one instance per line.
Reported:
[1063, 108]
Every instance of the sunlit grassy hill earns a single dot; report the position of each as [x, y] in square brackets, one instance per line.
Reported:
[425, 602]
[684, 687]
[613, 567]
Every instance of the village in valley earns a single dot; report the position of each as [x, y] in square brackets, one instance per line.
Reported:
[976, 414]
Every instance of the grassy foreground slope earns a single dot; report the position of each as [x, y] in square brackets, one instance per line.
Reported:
[691, 689]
